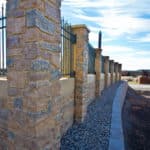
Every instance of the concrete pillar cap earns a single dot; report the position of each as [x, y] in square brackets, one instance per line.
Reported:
[98, 49]
[106, 57]
[80, 26]
[112, 61]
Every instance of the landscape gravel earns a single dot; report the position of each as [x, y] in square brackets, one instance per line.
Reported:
[94, 132]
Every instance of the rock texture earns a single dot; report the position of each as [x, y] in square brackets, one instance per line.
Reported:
[94, 132]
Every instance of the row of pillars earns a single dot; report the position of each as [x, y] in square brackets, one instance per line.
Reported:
[112, 71]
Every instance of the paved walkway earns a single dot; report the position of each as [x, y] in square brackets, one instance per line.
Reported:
[94, 132]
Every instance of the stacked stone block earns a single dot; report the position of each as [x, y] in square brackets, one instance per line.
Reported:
[109, 74]
[111, 70]
[91, 87]
[102, 82]
[66, 113]
[119, 71]
[81, 69]
[33, 111]
[98, 71]
[106, 70]
[116, 71]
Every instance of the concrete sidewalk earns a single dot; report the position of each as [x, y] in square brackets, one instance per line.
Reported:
[116, 141]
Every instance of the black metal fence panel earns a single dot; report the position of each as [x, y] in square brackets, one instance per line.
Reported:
[3, 68]
[91, 62]
[67, 54]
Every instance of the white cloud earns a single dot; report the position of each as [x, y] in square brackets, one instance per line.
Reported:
[2, 2]
[116, 19]
[144, 39]
[132, 63]
[131, 59]
[93, 3]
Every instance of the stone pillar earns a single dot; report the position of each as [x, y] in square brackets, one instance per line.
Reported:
[116, 71]
[106, 69]
[120, 71]
[111, 70]
[98, 71]
[33, 44]
[81, 71]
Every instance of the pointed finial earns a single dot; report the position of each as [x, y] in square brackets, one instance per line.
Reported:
[100, 40]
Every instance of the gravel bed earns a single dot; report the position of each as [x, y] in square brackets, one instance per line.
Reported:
[94, 132]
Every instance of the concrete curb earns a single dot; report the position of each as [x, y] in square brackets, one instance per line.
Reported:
[116, 141]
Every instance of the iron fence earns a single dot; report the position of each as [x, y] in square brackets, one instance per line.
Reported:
[3, 68]
[91, 62]
[67, 54]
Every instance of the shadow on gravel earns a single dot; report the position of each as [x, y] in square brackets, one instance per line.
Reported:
[136, 120]
[94, 132]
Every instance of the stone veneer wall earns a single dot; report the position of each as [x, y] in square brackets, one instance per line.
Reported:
[109, 80]
[67, 104]
[98, 62]
[116, 71]
[66, 115]
[31, 118]
[102, 82]
[111, 70]
[91, 87]
[3, 92]
[81, 69]
[114, 77]
[118, 76]
[106, 70]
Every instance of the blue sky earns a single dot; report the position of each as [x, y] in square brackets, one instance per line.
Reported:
[125, 25]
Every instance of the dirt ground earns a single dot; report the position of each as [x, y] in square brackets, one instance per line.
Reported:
[136, 119]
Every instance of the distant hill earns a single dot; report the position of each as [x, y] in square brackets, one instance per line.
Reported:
[145, 72]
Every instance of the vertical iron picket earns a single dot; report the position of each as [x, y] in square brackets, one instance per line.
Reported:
[3, 41]
[68, 39]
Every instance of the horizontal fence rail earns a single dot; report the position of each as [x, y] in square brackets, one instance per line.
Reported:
[67, 54]
[3, 68]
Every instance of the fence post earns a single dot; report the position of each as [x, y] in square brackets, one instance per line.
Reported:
[106, 69]
[33, 43]
[81, 71]
[120, 70]
[116, 71]
[111, 70]
[98, 71]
